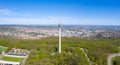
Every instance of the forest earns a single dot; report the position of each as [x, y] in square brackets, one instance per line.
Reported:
[45, 51]
[116, 61]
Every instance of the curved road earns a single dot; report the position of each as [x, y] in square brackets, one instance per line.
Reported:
[109, 61]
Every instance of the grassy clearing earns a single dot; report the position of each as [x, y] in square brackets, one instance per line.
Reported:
[12, 59]
[2, 48]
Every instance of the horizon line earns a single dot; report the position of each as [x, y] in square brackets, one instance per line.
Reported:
[63, 24]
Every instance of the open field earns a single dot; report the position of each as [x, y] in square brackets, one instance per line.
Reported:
[12, 59]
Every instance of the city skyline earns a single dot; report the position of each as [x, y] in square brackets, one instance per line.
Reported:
[80, 12]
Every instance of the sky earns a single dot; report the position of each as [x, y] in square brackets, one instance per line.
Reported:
[73, 12]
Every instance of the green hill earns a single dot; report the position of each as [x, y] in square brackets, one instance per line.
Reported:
[45, 51]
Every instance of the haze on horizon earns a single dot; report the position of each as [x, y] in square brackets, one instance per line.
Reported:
[85, 12]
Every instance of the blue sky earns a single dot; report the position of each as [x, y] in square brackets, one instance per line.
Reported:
[85, 12]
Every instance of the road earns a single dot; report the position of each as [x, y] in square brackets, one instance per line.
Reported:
[109, 61]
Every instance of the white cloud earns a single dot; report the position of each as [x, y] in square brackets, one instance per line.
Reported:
[27, 21]
[53, 20]
[45, 20]
[5, 11]
[13, 13]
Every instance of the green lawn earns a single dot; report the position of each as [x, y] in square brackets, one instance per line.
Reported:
[12, 59]
[2, 48]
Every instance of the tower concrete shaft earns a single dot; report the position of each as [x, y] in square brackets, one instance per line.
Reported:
[59, 38]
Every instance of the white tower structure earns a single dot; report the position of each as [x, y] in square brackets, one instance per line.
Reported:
[59, 37]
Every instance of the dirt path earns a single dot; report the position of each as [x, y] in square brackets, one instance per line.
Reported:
[82, 49]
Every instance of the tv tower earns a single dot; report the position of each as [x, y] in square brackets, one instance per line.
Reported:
[59, 37]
